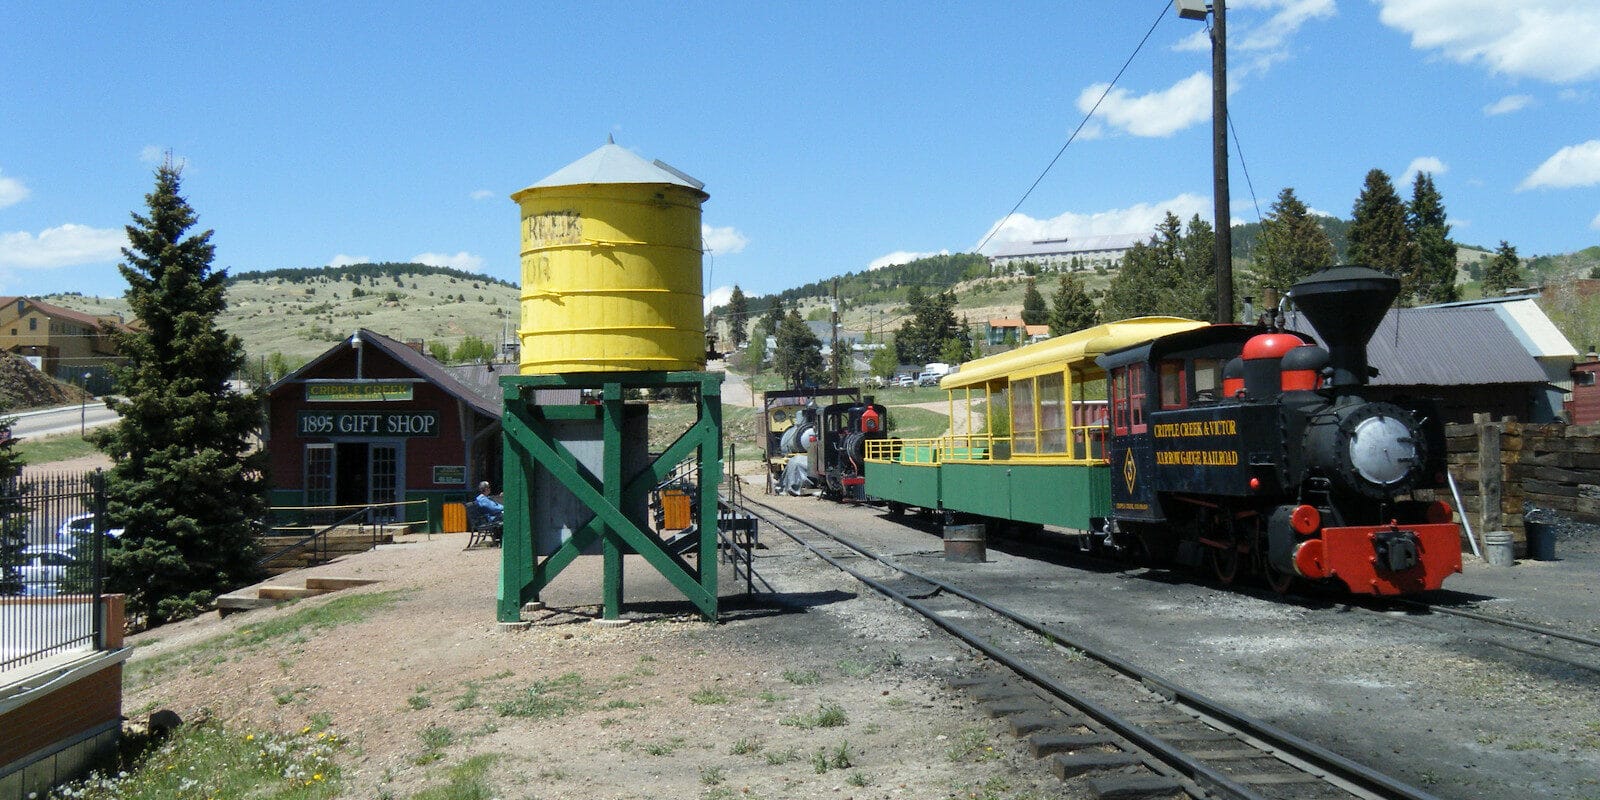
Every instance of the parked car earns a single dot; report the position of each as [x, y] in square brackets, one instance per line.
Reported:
[77, 526]
[905, 380]
[928, 379]
[43, 568]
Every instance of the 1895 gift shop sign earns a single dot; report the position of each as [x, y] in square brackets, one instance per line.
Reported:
[363, 423]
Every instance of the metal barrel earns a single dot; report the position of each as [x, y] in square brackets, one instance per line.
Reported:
[966, 543]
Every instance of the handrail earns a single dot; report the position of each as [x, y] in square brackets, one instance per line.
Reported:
[321, 536]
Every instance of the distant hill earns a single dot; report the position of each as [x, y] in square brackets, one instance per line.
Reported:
[298, 313]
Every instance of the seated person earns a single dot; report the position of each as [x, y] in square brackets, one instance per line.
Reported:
[493, 513]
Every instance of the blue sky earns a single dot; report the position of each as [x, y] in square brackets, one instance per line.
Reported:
[831, 137]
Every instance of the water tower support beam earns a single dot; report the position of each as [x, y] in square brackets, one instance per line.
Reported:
[530, 445]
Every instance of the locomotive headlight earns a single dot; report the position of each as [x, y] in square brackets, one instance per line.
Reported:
[1382, 449]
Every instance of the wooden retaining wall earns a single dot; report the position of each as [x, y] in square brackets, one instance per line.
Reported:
[1502, 464]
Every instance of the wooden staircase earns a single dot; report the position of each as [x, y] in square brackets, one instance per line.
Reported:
[268, 595]
[341, 541]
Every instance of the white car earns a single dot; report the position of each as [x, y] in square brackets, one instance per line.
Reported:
[43, 568]
[77, 526]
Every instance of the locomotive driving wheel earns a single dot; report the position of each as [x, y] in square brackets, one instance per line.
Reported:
[1224, 561]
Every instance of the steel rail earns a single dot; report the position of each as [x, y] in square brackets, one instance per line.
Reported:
[1287, 744]
[1509, 623]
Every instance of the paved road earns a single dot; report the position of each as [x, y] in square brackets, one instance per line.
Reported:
[64, 419]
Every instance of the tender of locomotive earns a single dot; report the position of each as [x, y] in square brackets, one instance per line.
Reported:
[1248, 449]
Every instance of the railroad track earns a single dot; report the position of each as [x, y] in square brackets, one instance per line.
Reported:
[1132, 718]
[1581, 652]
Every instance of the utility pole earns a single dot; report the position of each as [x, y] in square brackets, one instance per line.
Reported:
[1221, 218]
[834, 346]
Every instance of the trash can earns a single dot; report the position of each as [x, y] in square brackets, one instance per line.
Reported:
[1497, 549]
[1541, 539]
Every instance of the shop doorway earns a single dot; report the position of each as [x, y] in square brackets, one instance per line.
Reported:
[356, 474]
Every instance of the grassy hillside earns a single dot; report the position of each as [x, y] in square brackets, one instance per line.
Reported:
[299, 313]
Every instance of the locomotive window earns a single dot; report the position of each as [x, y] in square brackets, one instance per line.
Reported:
[1136, 398]
[1119, 400]
[1173, 391]
[1052, 414]
[1207, 377]
[1023, 429]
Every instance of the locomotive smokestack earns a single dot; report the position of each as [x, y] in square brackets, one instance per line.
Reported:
[1345, 305]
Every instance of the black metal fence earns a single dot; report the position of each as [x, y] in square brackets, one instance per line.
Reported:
[52, 551]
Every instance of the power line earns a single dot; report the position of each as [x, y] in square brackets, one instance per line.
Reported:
[1239, 148]
[1165, 5]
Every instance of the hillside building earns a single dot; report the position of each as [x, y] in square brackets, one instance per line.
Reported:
[996, 330]
[1057, 255]
[65, 344]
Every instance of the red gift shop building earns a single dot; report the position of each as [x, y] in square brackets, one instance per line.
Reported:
[373, 421]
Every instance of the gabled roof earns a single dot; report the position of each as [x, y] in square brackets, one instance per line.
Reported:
[423, 366]
[53, 310]
[1527, 322]
[1444, 346]
[612, 163]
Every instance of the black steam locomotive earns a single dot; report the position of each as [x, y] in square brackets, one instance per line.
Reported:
[1254, 450]
[822, 446]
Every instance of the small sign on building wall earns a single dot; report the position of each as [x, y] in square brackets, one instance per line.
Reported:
[358, 392]
[450, 476]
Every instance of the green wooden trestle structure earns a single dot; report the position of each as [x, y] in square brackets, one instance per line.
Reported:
[529, 443]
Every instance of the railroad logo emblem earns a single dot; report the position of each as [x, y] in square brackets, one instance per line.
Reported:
[1130, 473]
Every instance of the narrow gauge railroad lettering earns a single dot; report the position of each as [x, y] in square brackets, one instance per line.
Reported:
[1133, 506]
[1200, 458]
[341, 423]
[1205, 427]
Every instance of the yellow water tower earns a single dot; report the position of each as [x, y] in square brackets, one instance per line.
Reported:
[611, 268]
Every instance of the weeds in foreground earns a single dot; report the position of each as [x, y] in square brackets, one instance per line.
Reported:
[830, 715]
[467, 781]
[801, 677]
[839, 757]
[712, 776]
[206, 760]
[545, 699]
[708, 697]
[345, 610]
[745, 746]
[971, 744]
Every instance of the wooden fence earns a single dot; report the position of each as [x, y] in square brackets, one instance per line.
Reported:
[1500, 465]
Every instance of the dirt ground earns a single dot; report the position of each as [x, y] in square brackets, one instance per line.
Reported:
[669, 706]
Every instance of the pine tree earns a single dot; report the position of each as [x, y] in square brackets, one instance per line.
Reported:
[799, 355]
[1034, 311]
[1435, 279]
[13, 514]
[1291, 245]
[1072, 308]
[921, 339]
[738, 316]
[185, 485]
[1503, 272]
[1379, 237]
[1170, 274]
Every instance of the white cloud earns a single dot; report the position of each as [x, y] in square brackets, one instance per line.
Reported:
[343, 260]
[1571, 166]
[482, 194]
[1140, 218]
[62, 246]
[1157, 114]
[12, 191]
[1595, 223]
[716, 297]
[901, 257]
[1254, 46]
[463, 260]
[723, 241]
[1429, 164]
[1508, 104]
[1549, 40]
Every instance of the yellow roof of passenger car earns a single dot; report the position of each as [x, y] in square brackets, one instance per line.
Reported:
[1074, 347]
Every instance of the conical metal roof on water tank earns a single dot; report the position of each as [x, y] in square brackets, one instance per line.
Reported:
[611, 268]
